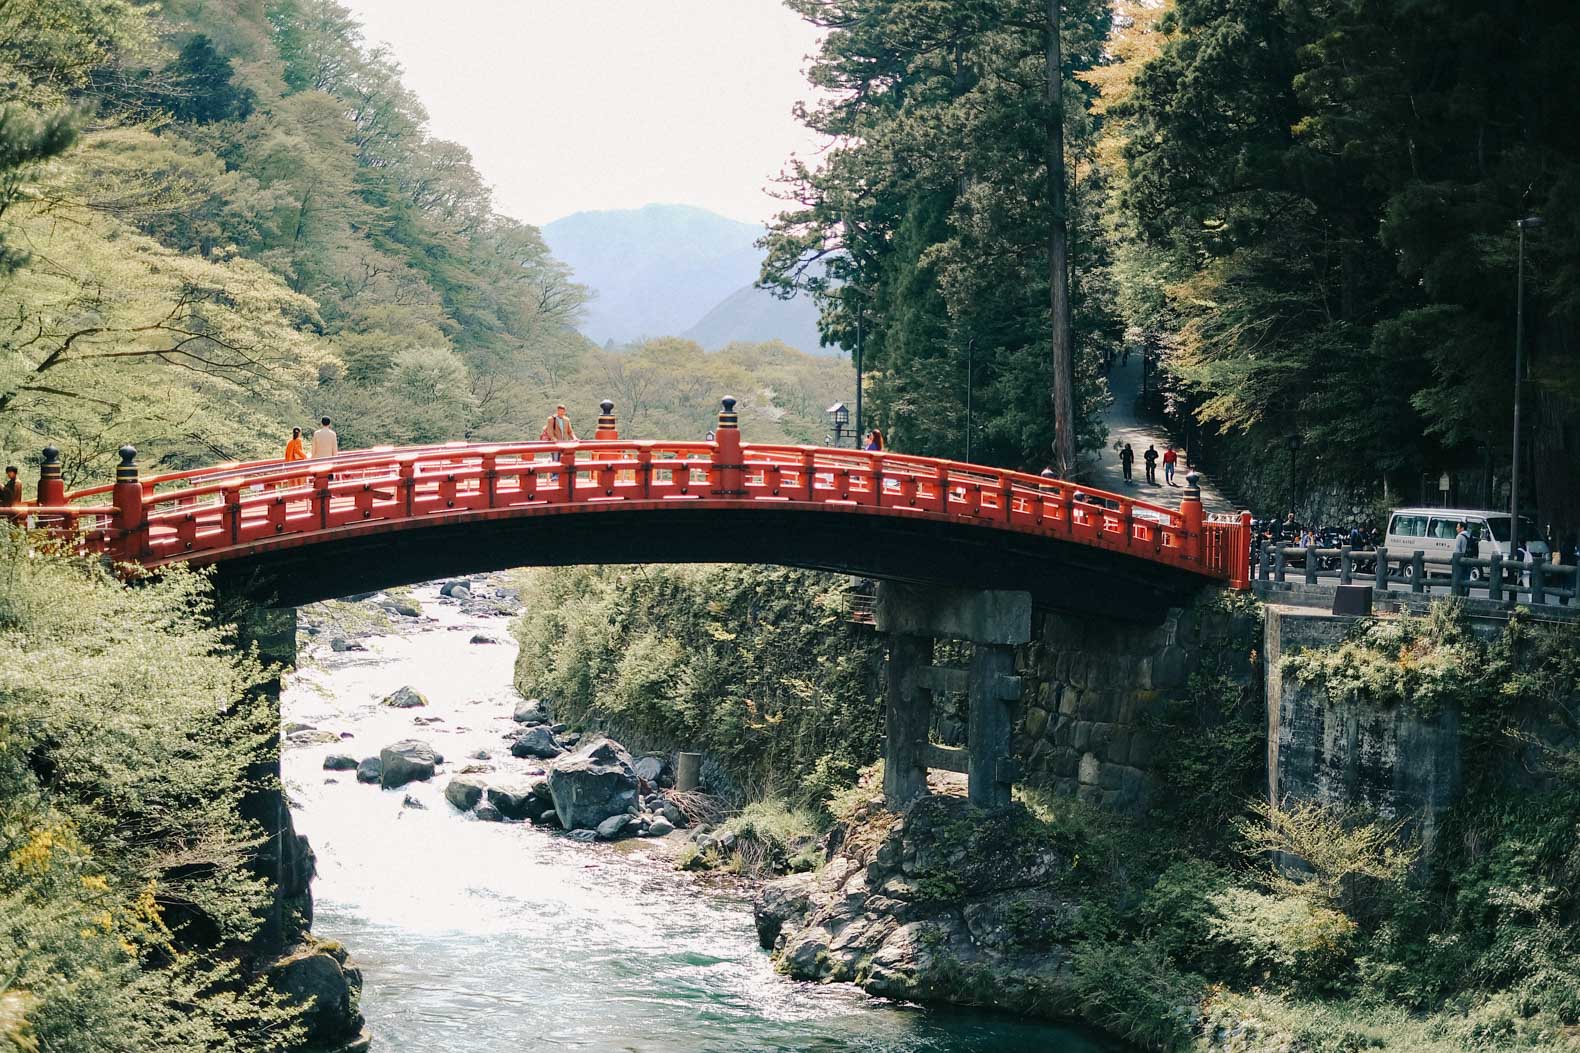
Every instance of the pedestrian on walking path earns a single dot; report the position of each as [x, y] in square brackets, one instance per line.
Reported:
[1151, 457]
[325, 442]
[1127, 461]
[1170, 458]
[558, 429]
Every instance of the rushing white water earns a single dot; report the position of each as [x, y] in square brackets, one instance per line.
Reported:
[479, 937]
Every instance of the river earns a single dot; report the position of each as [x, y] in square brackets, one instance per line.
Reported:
[478, 937]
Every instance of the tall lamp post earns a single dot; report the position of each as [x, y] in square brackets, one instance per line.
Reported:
[1293, 443]
[1527, 223]
[971, 343]
[859, 432]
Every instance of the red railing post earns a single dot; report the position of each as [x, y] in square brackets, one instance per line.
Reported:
[321, 496]
[1240, 554]
[128, 499]
[727, 467]
[51, 486]
[408, 484]
[568, 473]
[644, 470]
[232, 514]
[1193, 517]
[941, 482]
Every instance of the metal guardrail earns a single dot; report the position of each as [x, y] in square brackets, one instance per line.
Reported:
[1498, 579]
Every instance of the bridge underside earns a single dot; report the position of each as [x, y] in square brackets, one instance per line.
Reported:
[1059, 575]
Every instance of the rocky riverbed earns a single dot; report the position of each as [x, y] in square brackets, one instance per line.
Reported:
[433, 797]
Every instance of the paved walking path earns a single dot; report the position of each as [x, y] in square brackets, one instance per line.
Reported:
[1124, 426]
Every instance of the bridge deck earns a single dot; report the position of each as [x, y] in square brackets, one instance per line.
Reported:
[240, 511]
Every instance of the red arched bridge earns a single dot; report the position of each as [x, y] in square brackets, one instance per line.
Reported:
[295, 533]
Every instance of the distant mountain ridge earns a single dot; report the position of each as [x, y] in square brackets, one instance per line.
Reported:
[676, 270]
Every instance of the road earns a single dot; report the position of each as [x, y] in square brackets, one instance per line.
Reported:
[1125, 426]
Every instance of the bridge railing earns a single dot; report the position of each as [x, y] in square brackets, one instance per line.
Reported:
[1493, 577]
[205, 515]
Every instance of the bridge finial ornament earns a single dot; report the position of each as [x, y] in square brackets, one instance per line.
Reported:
[126, 471]
[728, 419]
[607, 431]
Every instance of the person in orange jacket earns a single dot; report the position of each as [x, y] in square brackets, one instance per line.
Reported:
[295, 451]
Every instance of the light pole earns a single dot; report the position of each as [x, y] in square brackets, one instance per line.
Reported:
[1528, 223]
[859, 432]
[971, 343]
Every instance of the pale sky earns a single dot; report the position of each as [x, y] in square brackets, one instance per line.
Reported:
[570, 105]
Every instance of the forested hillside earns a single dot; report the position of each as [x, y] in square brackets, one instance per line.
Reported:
[1304, 212]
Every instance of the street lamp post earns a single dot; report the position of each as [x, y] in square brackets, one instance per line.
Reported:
[971, 343]
[1293, 443]
[1527, 223]
[859, 432]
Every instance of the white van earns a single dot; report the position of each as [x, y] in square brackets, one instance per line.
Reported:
[1432, 531]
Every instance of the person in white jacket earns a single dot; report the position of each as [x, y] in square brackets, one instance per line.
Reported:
[325, 442]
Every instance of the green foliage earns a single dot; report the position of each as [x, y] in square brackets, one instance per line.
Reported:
[1284, 938]
[1134, 991]
[772, 837]
[124, 862]
[755, 666]
[926, 227]
[1317, 204]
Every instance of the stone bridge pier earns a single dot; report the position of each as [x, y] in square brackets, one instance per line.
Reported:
[994, 623]
[1076, 704]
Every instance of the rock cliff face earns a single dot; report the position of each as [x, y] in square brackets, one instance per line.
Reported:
[941, 904]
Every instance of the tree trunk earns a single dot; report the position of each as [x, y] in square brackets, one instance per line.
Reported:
[1058, 262]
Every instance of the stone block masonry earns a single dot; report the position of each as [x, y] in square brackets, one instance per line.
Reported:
[1089, 723]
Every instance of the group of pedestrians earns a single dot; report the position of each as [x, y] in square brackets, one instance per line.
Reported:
[324, 442]
[1169, 457]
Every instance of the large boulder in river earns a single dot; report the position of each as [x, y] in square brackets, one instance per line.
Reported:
[369, 769]
[450, 588]
[531, 711]
[464, 792]
[406, 698]
[406, 761]
[339, 762]
[592, 784]
[320, 978]
[536, 742]
[519, 801]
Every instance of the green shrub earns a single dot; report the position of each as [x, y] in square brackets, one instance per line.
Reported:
[126, 736]
[1133, 991]
[1289, 941]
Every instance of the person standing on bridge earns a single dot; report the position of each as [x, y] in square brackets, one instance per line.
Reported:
[11, 493]
[875, 441]
[1127, 461]
[1151, 457]
[1170, 458]
[325, 442]
[558, 429]
[295, 450]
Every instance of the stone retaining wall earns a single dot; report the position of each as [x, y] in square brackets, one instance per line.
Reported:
[1090, 720]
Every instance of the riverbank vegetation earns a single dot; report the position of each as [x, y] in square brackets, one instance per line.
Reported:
[1367, 942]
[127, 736]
